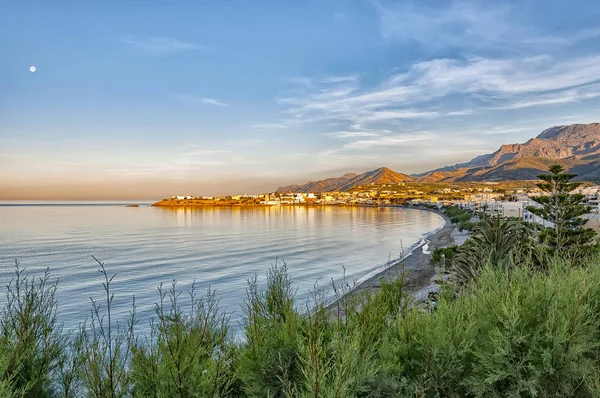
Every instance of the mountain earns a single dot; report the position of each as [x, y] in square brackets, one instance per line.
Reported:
[382, 175]
[575, 147]
[330, 184]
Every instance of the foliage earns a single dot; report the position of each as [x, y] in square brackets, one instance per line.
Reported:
[444, 255]
[564, 210]
[494, 241]
[31, 341]
[466, 226]
[106, 347]
[187, 354]
[461, 217]
[270, 364]
[515, 330]
[457, 214]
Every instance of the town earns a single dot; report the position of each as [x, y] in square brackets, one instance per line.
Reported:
[507, 199]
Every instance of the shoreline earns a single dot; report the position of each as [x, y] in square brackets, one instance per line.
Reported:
[217, 204]
[415, 265]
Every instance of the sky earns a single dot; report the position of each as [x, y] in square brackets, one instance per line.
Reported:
[146, 99]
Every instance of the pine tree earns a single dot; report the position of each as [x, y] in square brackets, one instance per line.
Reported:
[564, 210]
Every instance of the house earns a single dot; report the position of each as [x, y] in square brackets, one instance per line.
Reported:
[181, 197]
[508, 209]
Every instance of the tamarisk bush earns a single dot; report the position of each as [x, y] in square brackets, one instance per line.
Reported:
[514, 331]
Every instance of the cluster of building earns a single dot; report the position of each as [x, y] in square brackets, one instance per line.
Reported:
[513, 205]
[490, 199]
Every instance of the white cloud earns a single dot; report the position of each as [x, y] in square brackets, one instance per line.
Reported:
[352, 134]
[161, 45]
[429, 90]
[212, 101]
[561, 97]
[507, 130]
[340, 79]
[395, 140]
[473, 25]
[199, 100]
[454, 23]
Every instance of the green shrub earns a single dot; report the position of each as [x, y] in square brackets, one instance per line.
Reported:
[32, 344]
[188, 353]
[517, 330]
[269, 363]
[444, 255]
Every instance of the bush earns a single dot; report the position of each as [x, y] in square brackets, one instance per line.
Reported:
[444, 255]
[519, 331]
[187, 354]
[32, 344]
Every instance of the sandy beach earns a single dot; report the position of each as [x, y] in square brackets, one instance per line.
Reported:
[416, 266]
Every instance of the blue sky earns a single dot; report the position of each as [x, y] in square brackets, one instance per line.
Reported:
[145, 99]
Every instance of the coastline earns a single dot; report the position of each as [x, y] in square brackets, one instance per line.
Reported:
[416, 265]
[190, 204]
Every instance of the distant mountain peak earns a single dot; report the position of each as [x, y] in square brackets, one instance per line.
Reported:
[573, 131]
[382, 175]
[576, 147]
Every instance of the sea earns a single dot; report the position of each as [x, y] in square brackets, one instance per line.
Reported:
[218, 248]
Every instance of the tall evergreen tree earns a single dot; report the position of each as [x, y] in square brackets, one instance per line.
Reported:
[564, 210]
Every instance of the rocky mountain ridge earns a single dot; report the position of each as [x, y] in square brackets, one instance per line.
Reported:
[382, 175]
[576, 147]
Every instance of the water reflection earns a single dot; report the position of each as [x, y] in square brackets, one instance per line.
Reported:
[218, 247]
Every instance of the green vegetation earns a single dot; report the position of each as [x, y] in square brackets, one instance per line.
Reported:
[564, 210]
[444, 255]
[511, 323]
[461, 217]
[514, 332]
[494, 241]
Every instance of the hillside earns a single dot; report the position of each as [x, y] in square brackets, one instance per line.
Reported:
[329, 184]
[575, 147]
[382, 175]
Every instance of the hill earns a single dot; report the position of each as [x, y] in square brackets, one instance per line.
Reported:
[575, 147]
[382, 175]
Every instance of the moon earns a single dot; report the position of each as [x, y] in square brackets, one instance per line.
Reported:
[32, 69]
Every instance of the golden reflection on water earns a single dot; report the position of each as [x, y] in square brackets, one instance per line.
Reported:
[303, 216]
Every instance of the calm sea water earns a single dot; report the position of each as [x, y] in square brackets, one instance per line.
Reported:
[216, 247]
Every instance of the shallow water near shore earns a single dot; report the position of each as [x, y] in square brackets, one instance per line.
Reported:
[216, 247]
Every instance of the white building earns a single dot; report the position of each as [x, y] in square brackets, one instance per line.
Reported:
[181, 197]
[508, 209]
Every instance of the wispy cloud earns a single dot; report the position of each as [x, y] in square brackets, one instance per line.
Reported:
[200, 100]
[576, 94]
[212, 101]
[452, 23]
[470, 24]
[429, 90]
[390, 141]
[569, 39]
[353, 134]
[161, 45]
